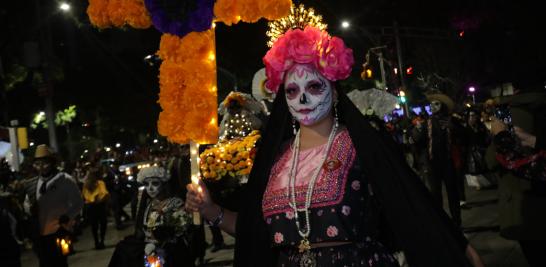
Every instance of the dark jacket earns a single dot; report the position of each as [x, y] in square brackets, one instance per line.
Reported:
[522, 202]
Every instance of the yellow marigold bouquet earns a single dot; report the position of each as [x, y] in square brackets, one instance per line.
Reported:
[233, 157]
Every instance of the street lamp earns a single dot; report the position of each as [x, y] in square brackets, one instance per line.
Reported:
[472, 90]
[345, 24]
[64, 6]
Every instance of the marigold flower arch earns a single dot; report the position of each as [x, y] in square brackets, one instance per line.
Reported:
[187, 76]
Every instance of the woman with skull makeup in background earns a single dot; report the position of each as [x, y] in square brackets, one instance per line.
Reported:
[326, 188]
[162, 226]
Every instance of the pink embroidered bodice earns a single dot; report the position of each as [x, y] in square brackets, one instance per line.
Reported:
[338, 206]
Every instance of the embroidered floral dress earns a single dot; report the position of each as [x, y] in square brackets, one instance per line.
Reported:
[341, 209]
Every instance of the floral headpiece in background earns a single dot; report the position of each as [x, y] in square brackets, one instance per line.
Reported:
[327, 54]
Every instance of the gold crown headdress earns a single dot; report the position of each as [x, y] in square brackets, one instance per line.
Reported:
[299, 18]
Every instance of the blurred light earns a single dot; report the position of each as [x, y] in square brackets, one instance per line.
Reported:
[64, 6]
[345, 24]
[155, 141]
[118, 145]
[397, 106]
[41, 113]
[461, 33]
[85, 151]
[403, 99]
[130, 178]
[402, 93]
[107, 149]
[472, 89]
[395, 70]
[31, 144]
[409, 70]
[468, 105]
[152, 60]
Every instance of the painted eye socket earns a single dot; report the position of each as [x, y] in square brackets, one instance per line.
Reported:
[315, 87]
[291, 91]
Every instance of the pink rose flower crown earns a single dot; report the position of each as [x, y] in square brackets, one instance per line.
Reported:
[327, 54]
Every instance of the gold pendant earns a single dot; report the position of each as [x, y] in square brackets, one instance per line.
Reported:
[307, 257]
[304, 245]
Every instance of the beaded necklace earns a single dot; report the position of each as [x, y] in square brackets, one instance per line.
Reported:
[308, 259]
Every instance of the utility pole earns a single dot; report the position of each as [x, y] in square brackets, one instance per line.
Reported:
[399, 54]
[46, 89]
[382, 66]
[3, 96]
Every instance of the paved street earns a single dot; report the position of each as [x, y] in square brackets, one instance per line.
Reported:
[480, 223]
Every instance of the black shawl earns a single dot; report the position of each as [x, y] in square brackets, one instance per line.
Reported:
[423, 231]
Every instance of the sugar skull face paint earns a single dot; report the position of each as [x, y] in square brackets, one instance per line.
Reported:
[435, 106]
[153, 186]
[309, 95]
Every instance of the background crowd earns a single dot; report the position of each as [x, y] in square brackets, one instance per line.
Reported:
[488, 145]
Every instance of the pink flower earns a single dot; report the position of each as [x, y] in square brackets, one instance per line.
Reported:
[355, 185]
[335, 61]
[346, 210]
[278, 238]
[310, 46]
[331, 231]
[290, 215]
[302, 47]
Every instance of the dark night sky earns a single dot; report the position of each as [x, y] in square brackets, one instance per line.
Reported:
[105, 73]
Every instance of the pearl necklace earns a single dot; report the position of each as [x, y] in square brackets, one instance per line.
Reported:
[304, 246]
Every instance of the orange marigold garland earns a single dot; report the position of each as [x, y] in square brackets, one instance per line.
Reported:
[226, 11]
[274, 9]
[187, 95]
[118, 13]
[232, 11]
[137, 16]
[97, 13]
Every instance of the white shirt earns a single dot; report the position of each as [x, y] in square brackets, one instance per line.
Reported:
[49, 182]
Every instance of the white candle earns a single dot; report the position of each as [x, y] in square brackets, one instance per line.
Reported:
[194, 158]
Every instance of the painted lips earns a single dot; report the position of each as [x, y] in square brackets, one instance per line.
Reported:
[305, 111]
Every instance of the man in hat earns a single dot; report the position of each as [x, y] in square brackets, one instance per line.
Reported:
[50, 196]
[436, 134]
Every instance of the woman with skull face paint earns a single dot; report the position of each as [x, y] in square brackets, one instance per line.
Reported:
[326, 188]
[162, 226]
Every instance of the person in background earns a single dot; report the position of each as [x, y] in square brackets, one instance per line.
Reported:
[95, 196]
[476, 139]
[522, 187]
[10, 253]
[48, 197]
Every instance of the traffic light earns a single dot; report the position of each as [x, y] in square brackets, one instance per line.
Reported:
[409, 70]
